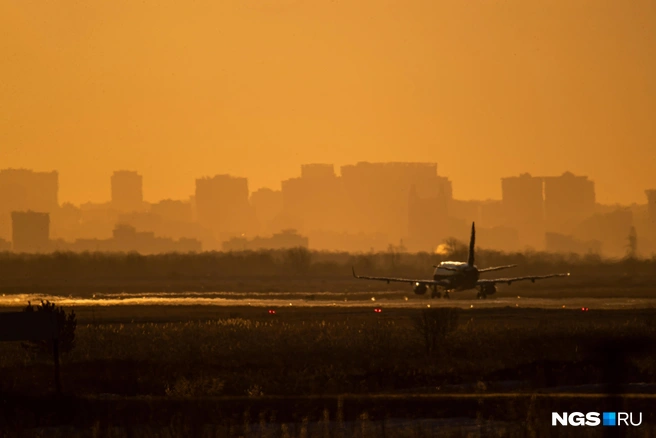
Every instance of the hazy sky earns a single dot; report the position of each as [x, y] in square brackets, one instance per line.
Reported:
[183, 89]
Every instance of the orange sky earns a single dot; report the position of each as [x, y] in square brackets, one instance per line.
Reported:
[178, 90]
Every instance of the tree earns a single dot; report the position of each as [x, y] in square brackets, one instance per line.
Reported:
[298, 260]
[66, 324]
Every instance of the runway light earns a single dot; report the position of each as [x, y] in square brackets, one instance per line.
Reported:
[373, 299]
[290, 304]
[563, 306]
[427, 305]
[378, 310]
[516, 305]
[518, 297]
[272, 312]
[584, 309]
[405, 298]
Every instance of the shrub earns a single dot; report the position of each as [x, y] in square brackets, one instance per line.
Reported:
[65, 323]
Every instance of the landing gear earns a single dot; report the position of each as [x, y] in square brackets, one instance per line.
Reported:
[486, 290]
[436, 294]
[446, 295]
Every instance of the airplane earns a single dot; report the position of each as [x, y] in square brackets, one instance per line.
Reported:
[460, 276]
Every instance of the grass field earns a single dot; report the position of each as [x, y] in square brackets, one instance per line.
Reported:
[183, 367]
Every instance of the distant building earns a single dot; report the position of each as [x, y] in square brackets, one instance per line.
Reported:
[523, 208]
[5, 245]
[651, 209]
[498, 238]
[23, 190]
[126, 238]
[127, 191]
[267, 205]
[284, 239]
[30, 231]
[492, 214]
[314, 201]
[222, 206]
[428, 218]
[611, 229]
[173, 211]
[568, 200]
[376, 195]
[351, 242]
[561, 243]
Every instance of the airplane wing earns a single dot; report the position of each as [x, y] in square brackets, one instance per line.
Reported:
[403, 280]
[514, 279]
[496, 268]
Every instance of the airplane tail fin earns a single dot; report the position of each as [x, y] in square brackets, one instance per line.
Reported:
[472, 243]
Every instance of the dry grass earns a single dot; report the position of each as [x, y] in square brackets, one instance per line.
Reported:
[319, 353]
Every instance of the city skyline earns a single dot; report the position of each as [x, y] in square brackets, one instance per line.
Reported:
[256, 89]
[369, 205]
[640, 199]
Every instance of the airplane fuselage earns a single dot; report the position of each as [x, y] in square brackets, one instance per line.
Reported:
[460, 275]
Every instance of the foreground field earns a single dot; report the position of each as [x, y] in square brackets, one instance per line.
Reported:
[152, 359]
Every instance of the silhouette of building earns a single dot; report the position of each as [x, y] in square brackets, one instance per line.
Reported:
[65, 222]
[127, 191]
[611, 229]
[222, 206]
[377, 195]
[557, 242]
[267, 205]
[492, 214]
[351, 242]
[96, 221]
[126, 238]
[429, 222]
[651, 209]
[30, 231]
[523, 208]
[568, 200]
[498, 238]
[22, 190]
[313, 201]
[173, 210]
[284, 239]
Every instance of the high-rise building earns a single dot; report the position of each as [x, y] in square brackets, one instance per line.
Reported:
[651, 216]
[267, 205]
[313, 201]
[651, 206]
[428, 218]
[377, 194]
[127, 191]
[222, 206]
[173, 210]
[30, 231]
[523, 208]
[568, 200]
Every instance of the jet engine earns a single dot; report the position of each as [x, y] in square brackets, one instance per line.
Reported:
[420, 288]
[490, 289]
[487, 289]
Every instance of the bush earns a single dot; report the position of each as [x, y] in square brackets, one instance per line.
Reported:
[65, 323]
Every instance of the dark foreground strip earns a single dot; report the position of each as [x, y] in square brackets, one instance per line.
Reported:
[18, 412]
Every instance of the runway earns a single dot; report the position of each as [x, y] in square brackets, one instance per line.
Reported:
[359, 300]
